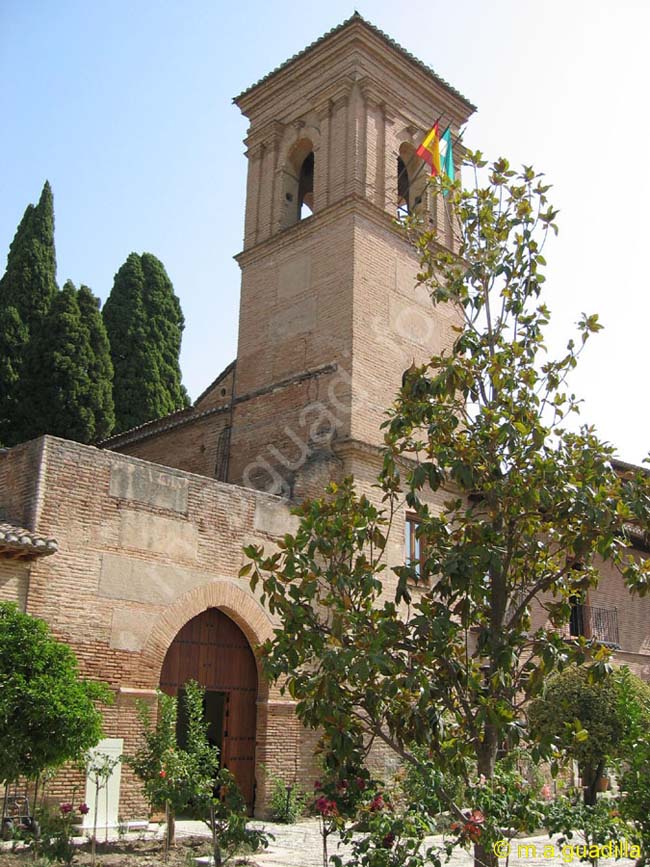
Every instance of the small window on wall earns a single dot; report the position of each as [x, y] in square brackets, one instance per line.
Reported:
[414, 548]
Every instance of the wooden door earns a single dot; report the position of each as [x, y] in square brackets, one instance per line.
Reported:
[213, 650]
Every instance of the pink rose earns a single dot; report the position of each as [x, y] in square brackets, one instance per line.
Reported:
[84, 809]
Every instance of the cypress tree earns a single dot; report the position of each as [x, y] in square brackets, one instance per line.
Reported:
[165, 323]
[100, 371]
[29, 283]
[13, 344]
[26, 292]
[144, 323]
[70, 396]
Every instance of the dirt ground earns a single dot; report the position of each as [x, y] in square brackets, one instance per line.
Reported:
[130, 853]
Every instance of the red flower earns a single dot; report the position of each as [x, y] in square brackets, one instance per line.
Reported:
[326, 807]
[162, 774]
[84, 809]
[342, 785]
[65, 808]
[317, 785]
[389, 839]
[473, 831]
[361, 783]
[377, 804]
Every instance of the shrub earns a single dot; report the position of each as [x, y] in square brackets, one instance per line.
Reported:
[288, 801]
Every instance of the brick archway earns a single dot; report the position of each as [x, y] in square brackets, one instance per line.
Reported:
[213, 651]
[241, 607]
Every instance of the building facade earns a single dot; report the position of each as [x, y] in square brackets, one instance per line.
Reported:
[131, 551]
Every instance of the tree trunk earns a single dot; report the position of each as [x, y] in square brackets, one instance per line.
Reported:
[216, 848]
[486, 760]
[170, 831]
[590, 783]
[93, 849]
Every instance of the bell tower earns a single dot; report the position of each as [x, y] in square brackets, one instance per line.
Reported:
[330, 315]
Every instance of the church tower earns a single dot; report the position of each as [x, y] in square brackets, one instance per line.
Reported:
[330, 314]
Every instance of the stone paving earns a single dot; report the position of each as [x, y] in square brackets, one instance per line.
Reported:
[300, 845]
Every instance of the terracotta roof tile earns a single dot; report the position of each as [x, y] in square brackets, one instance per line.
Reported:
[15, 539]
[358, 18]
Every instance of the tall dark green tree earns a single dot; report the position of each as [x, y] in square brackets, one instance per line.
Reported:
[13, 343]
[100, 370]
[26, 292]
[70, 394]
[144, 323]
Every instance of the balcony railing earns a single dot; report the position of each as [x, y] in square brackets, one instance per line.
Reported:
[594, 622]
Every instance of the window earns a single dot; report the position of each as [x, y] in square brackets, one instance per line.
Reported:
[589, 621]
[413, 545]
[577, 620]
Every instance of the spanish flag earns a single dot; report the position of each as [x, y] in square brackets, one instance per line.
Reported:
[429, 150]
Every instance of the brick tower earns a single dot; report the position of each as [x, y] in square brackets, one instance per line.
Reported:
[330, 315]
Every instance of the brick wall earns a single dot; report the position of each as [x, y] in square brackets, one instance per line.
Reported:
[142, 549]
[192, 446]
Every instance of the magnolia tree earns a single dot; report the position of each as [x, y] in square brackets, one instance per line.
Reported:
[531, 507]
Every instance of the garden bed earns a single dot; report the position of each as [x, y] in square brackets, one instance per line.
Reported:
[129, 853]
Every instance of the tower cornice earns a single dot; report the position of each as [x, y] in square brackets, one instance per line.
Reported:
[359, 27]
[350, 45]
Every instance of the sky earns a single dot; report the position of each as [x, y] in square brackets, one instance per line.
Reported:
[125, 106]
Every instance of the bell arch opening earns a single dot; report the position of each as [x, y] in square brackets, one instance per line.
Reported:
[212, 650]
[411, 183]
[298, 183]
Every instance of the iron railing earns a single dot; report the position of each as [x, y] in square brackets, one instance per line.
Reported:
[595, 622]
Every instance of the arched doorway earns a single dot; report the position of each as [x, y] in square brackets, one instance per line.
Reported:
[213, 650]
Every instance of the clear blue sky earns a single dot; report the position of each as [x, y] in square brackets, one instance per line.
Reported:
[125, 106]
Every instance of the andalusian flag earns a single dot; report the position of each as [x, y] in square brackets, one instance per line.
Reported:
[429, 150]
[446, 155]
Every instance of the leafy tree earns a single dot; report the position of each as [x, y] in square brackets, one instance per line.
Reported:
[635, 771]
[188, 778]
[588, 719]
[26, 292]
[144, 323]
[515, 510]
[70, 369]
[47, 711]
